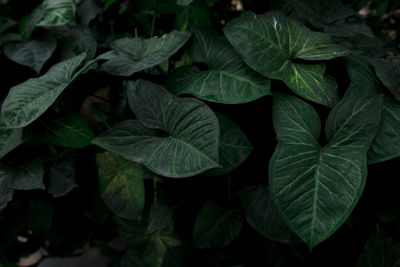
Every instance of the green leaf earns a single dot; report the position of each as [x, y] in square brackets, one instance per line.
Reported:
[6, 192]
[25, 102]
[184, 2]
[29, 22]
[9, 139]
[160, 218]
[386, 144]
[135, 54]
[388, 72]
[216, 227]
[88, 10]
[57, 12]
[333, 17]
[227, 80]
[179, 141]
[121, 185]
[76, 41]
[61, 177]
[234, 147]
[380, 251]
[263, 217]
[315, 188]
[6, 23]
[28, 176]
[69, 131]
[33, 53]
[269, 43]
[109, 3]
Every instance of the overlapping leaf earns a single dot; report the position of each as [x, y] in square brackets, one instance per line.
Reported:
[269, 43]
[315, 188]
[388, 72]
[173, 137]
[227, 80]
[135, 54]
[10, 139]
[386, 144]
[57, 12]
[121, 185]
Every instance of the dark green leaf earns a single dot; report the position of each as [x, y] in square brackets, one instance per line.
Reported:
[76, 41]
[227, 80]
[109, 3]
[57, 12]
[9, 139]
[234, 147]
[263, 217]
[184, 2]
[270, 42]
[388, 72]
[33, 53]
[6, 192]
[61, 178]
[160, 218]
[315, 188]
[88, 10]
[28, 176]
[121, 185]
[179, 141]
[29, 22]
[69, 131]
[6, 23]
[216, 227]
[135, 54]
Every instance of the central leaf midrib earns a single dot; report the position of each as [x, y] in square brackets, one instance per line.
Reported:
[194, 148]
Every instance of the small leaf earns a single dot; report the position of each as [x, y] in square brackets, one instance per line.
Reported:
[33, 53]
[263, 217]
[25, 102]
[179, 141]
[216, 227]
[57, 12]
[6, 192]
[69, 131]
[388, 72]
[315, 188]
[28, 176]
[160, 218]
[269, 43]
[29, 22]
[227, 80]
[132, 55]
[9, 139]
[88, 10]
[6, 23]
[61, 178]
[121, 185]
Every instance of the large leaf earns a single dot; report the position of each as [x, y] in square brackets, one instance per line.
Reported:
[333, 17]
[386, 144]
[216, 227]
[388, 72]
[57, 12]
[270, 42]
[234, 147]
[263, 217]
[121, 185]
[227, 80]
[33, 53]
[69, 131]
[135, 54]
[315, 188]
[173, 137]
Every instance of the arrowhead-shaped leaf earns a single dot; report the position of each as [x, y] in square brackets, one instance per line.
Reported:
[33, 53]
[131, 55]
[263, 217]
[216, 227]
[227, 80]
[173, 137]
[121, 185]
[386, 144]
[57, 12]
[27, 101]
[388, 72]
[69, 131]
[269, 43]
[315, 188]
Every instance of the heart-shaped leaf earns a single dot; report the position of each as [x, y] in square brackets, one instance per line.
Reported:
[121, 185]
[269, 43]
[315, 188]
[131, 55]
[57, 12]
[173, 137]
[227, 80]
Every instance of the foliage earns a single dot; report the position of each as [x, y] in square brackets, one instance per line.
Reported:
[200, 133]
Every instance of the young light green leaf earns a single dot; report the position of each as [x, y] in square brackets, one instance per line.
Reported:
[179, 141]
[135, 54]
[25, 102]
[28, 176]
[333, 17]
[57, 12]
[216, 227]
[69, 131]
[388, 72]
[227, 80]
[315, 188]
[263, 217]
[121, 185]
[269, 43]
[33, 53]
[234, 147]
